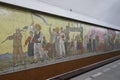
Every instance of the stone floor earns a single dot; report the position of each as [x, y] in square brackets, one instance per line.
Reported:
[108, 72]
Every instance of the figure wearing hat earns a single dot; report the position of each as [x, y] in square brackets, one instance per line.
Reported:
[17, 46]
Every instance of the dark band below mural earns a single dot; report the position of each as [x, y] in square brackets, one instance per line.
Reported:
[32, 39]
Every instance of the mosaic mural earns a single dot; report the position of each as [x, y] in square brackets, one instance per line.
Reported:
[29, 38]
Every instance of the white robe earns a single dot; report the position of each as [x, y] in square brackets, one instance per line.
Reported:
[62, 45]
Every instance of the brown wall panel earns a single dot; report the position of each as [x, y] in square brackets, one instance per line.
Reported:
[45, 72]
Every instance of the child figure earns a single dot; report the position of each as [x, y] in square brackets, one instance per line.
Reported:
[30, 43]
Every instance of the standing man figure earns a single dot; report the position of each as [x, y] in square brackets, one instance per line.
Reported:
[67, 43]
[52, 41]
[37, 42]
[17, 46]
[57, 44]
[93, 37]
[62, 45]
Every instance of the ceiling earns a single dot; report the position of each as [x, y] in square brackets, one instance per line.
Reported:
[103, 10]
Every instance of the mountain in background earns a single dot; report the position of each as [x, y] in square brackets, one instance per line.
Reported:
[8, 55]
[5, 56]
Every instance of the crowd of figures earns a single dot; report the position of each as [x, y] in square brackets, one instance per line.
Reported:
[60, 44]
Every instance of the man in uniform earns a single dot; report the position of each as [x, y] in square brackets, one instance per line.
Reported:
[17, 46]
